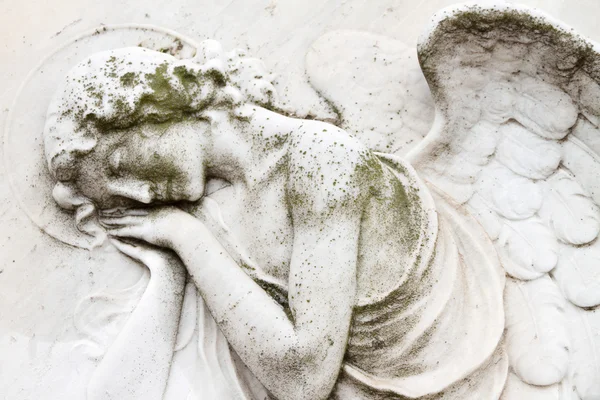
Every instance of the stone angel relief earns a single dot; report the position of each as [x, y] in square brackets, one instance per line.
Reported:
[358, 258]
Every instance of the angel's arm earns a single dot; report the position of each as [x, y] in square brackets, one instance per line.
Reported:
[297, 358]
[136, 365]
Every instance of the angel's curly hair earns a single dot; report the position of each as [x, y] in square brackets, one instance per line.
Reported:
[121, 88]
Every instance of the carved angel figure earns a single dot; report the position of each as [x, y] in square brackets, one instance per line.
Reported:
[305, 260]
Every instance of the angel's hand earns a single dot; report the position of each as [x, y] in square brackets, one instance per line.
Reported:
[158, 261]
[160, 226]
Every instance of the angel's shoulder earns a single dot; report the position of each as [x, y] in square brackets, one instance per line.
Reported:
[323, 164]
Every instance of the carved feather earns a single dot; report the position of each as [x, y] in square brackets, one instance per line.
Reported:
[583, 163]
[486, 216]
[545, 109]
[528, 249]
[457, 169]
[510, 195]
[578, 274]
[537, 340]
[498, 101]
[588, 92]
[527, 154]
[571, 213]
[584, 330]
[478, 144]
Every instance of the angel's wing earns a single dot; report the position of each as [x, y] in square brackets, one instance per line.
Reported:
[361, 75]
[516, 140]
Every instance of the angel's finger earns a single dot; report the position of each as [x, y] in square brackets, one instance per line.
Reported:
[120, 221]
[127, 249]
[137, 212]
[127, 231]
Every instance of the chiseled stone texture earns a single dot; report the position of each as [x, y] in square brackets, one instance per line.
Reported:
[37, 323]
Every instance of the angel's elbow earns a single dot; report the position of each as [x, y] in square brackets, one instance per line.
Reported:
[308, 381]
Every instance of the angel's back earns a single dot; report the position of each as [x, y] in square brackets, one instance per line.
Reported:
[429, 313]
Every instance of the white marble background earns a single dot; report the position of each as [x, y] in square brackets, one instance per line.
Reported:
[41, 280]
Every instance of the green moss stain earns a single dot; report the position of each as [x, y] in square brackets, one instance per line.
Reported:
[185, 76]
[160, 82]
[168, 96]
[128, 79]
[219, 78]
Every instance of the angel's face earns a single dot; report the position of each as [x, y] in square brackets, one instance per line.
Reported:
[146, 164]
